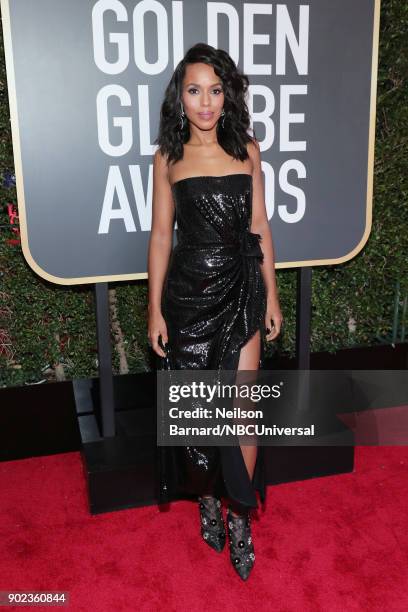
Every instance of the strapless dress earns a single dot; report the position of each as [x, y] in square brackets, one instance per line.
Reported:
[213, 302]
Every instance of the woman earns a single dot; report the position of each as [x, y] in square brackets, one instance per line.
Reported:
[212, 296]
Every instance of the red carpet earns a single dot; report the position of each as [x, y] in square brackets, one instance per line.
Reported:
[327, 544]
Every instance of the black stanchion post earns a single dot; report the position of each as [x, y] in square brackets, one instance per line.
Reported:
[303, 317]
[107, 404]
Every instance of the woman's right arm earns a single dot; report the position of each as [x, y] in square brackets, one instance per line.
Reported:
[160, 245]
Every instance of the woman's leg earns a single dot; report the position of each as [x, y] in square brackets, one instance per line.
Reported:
[249, 360]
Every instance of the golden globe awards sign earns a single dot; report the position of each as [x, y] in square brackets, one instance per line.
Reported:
[86, 81]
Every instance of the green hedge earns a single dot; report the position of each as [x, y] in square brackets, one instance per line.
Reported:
[47, 332]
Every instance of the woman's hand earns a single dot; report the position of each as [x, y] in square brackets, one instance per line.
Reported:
[157, 327]
[273, 320]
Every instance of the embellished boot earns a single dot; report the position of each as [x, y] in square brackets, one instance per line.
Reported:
[212, 522]
[240, 542]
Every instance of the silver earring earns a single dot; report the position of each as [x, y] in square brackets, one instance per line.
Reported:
[182, 115]
[223, 118]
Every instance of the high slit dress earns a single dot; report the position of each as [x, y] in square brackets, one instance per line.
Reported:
[213, 302]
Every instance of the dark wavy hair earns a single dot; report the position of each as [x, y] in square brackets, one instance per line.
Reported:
[234, 136]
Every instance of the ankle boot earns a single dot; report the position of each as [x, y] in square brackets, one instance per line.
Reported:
[240, 542]
[212, 522]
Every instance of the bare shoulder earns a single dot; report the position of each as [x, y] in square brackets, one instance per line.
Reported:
[253, 149]
[160, 165]
[254, 153]
[160, 159]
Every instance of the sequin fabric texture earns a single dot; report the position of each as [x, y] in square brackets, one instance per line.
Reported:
[214, 300]
[214, 294]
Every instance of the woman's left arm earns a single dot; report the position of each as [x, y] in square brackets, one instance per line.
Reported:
[260, 225]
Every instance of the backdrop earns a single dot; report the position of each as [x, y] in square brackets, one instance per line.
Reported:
[86, 81]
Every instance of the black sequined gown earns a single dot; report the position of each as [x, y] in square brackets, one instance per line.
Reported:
[213, 301]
